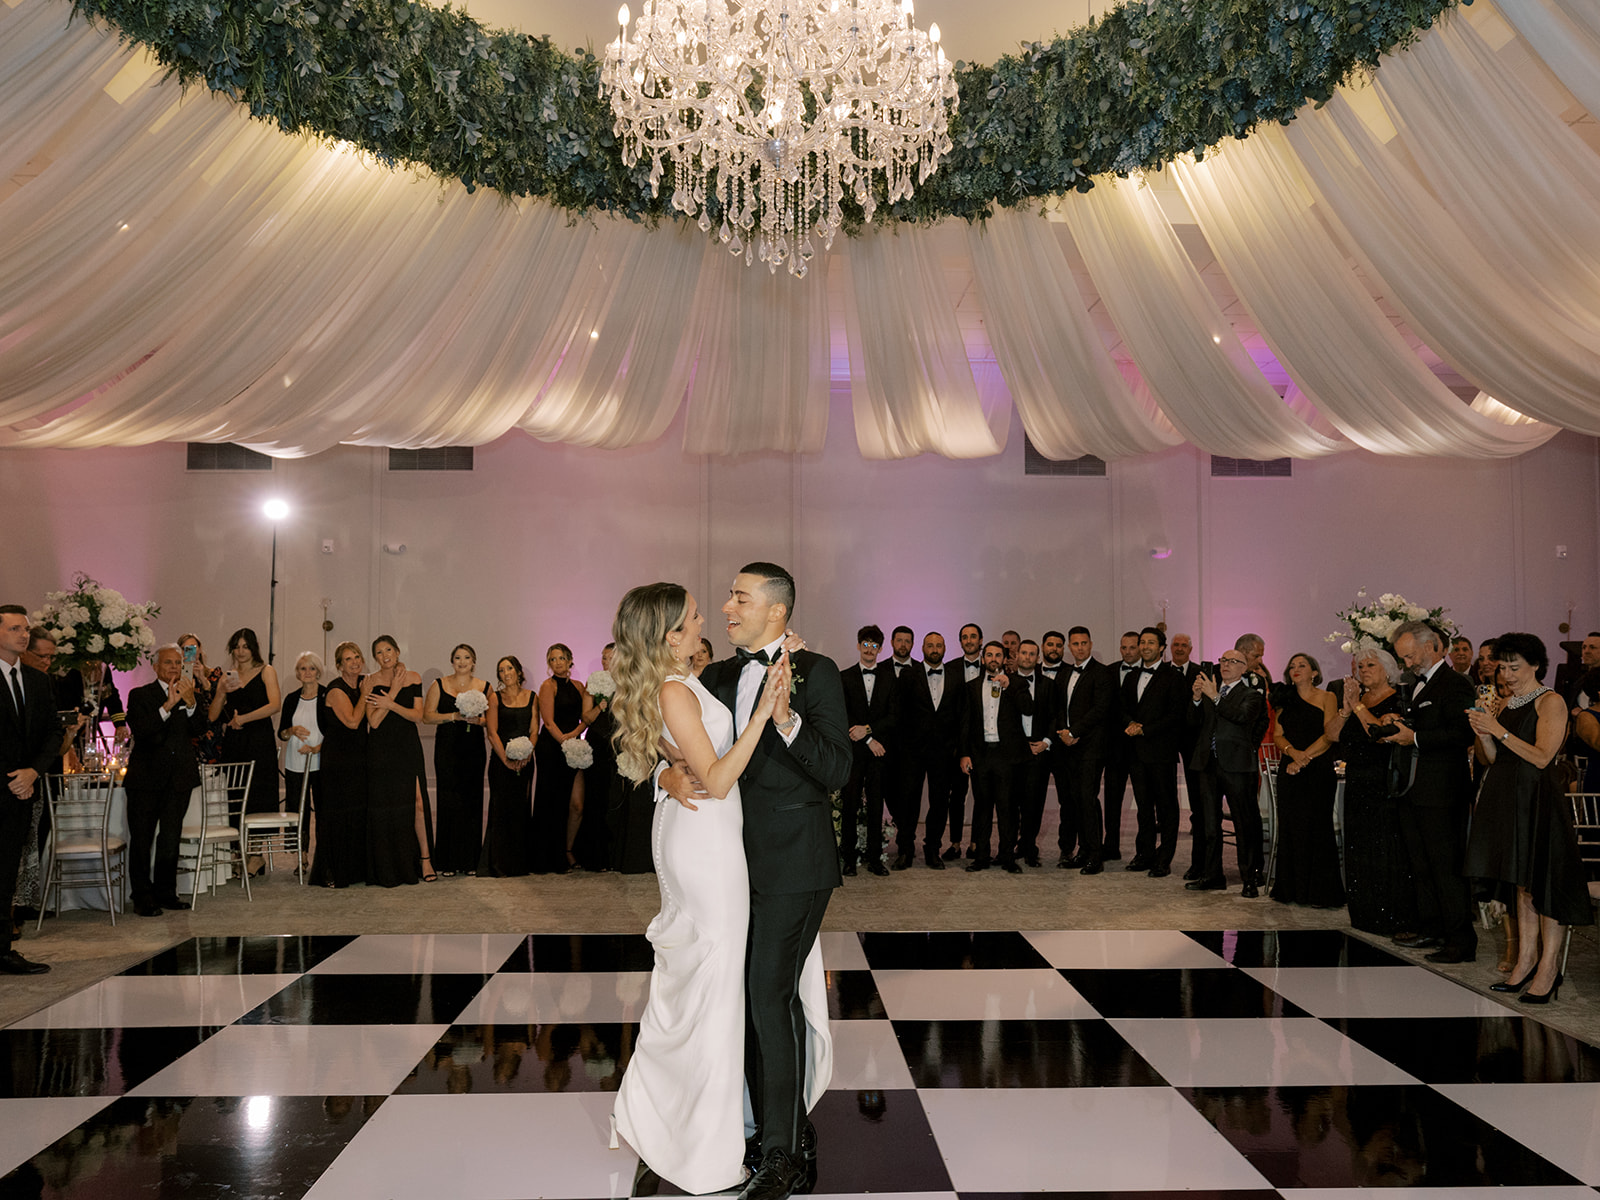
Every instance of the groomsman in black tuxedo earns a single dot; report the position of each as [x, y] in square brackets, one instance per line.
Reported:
[1119, 753]
[992, 745]
[871, 706]
[162, 771]
[30, 741]
[905, 766]
[936, 695]
[1011, 639]
[1153, 701]
[1032, 776]
[964, 670]
[1226, 720]
[1086, 699]
[1052, 666]
[1182, 650]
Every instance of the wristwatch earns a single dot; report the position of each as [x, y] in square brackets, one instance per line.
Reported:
[788, 725]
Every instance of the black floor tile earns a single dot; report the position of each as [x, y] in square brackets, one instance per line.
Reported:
[1179, 992]
[1509, 1049]
[368, 1000]
[949, 951]
[243, 955]
[1294, 948]
[853, 996]
[1370, 1136]
[199, 1148]
[552, 952]
[89, 1062]
[1021, 1054]
[1197, 1194]
[478, 1059]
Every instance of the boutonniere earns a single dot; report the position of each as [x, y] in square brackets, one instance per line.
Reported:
[795, 680]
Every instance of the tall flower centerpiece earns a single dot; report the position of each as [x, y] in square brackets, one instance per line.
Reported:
[94, 625]
[1374, 623]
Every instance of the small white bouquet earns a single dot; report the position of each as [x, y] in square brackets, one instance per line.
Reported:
[519, 749]
[579, 753]
[601, 687]
[472, 705]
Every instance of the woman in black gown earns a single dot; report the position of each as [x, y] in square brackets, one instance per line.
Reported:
[505, 842]
[341, 817]
[1382, 893]
[399, 825]
[558, 791]
[1522, 831]
[592, 845]
[245, 705]
[458, 758]
[1308, 855]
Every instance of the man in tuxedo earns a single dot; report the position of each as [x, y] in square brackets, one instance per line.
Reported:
[1254, 649]
[872, 708]
[1086, 696]
[1053, 668]
[1032, 777]
[963, 671]
[1119, 753]
[906, 765]
[932, 708]
[1461, 655]
[162, 771]
[1011, 639]
[1182, 649]
[1153, 700]
[992, 745]
[30, 741]
[793, 860]
[1227, 721]
[1435, 809]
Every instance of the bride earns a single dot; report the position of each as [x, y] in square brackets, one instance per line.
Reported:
[681, 1105]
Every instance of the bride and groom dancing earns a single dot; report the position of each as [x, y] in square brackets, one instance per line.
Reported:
[733, 1048]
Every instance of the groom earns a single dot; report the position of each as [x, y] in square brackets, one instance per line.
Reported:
[793, 860]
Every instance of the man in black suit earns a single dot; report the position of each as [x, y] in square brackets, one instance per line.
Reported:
[162, 771]
[962, 672]
[1435, 809]
[906, 766]
[1086, 697]
[1119, 752]
[1032, 777]
[933, 713]
[30, 741]
[872, 709]
[1153, 700]
[1461, 655]
[1182, 650]
[1227, 722]
[1053, 668]
[992, 744]
[793, 860]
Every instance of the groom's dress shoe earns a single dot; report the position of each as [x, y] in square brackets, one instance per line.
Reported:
[951, 854]
[776, 1179]
[13, 963]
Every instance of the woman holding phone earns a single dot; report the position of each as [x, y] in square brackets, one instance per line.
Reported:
[245, 704]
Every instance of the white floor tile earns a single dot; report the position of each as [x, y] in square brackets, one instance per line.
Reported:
[144, 1000]
[296, 1060]
[1429, 1193]
[1119, 1139]
[1289, 1052]
[28, 1126]
[867, 1058]
[1122, 949]
[1559, 1121]
[842, 952]
[517, 998]
[1375, 992]
[979, 995]
[421, 954]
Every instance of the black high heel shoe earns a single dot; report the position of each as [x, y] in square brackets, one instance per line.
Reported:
[1531, 998]
[1507, 986]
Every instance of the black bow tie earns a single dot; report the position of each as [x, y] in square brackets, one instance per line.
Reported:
[936, 671]
[745, 656]
[1149, 670]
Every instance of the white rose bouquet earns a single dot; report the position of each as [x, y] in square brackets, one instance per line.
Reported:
[519, 749]
[601, 687]
[1374, 623]
[93, 624]
[472, 705]
[579, 753]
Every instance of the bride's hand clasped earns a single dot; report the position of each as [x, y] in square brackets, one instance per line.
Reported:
[774, 704]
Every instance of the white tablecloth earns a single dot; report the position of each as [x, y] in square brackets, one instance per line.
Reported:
[95, 897]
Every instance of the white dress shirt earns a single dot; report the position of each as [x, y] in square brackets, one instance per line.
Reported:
[750, 679]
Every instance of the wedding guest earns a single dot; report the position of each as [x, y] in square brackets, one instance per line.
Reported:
[1227, 717]
[1586, 729]
[1055, 671]
[1522, 830]
[1182, 650]
[458, 762]
[1381, 891]
[511, 716]
[1086, 697]
[207, 733]
[300, 726]
[1461, 655]
[162, 771]
[905, 766]
[558, 788]
[1118, 751]
[872, 708]
[399, 824]
[40, 655]
[939, 699]
[702, 657]
[1254, 650]
[1308, 853]
[1486, 669]
[591, 844]
[1153, 705]
[992, 744]
[70, 692]
[1011, 639]
[1032, 777]
[245, 705]
[30, 739]
[341, 814]
[966, 669]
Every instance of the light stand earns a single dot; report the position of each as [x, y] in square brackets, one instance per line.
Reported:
[275, 511]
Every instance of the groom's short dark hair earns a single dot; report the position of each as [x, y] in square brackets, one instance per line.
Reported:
[778, 585]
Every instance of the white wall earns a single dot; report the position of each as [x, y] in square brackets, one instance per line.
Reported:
[537, 544]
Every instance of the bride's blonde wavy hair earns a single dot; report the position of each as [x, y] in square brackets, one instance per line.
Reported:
[640, 664]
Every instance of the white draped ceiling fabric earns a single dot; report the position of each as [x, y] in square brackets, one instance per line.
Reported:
[171, 271]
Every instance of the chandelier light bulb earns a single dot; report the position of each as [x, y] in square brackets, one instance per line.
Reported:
[933, 33]
[623, 16]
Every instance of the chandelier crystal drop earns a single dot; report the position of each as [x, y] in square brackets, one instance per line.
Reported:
[776, 108]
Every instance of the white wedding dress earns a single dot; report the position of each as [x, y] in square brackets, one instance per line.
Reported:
[682, 1104]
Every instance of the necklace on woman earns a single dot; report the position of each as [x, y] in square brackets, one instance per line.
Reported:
[1519, 701]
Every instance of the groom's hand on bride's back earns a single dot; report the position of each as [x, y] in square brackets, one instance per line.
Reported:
[678, 780]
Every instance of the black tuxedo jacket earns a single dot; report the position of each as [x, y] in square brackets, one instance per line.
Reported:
[1235, 722]
[788, 821]
[883, 713]
[1188, 671]
[1159, 711]
[1087, 714]
[1044, 704]
[31, 738]
[931, 729]
[1439, 717]
[1014, 704]
[163, 758]
[69, 694]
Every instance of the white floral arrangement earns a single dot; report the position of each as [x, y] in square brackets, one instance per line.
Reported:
[472, 705]
[519, 749]
[579, 753]
[93, 624]
[600, 686]
[1374, 623]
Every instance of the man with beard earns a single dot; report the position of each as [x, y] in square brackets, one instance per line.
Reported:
[963, 671]
[905, 767]
[1032, 775]
[1118, 751]
[1086, 698]
[1153, 701]
[933, 709]
[992, 745]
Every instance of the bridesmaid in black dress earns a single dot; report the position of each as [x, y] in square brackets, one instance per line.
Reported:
[592, 845]
[458, 759]
[341, 826]
[505, 842]
[399, 825]
[558, 791]
[245, 705]
[1377, 869]
[1308, 856]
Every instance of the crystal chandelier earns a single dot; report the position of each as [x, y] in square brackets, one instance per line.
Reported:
[775, 108]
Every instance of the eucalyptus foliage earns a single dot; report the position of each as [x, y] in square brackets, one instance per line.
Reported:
[432, 88]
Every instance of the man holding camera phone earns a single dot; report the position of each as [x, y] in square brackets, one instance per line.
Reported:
[992, 745]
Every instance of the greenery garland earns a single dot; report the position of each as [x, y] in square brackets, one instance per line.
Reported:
[415, 85]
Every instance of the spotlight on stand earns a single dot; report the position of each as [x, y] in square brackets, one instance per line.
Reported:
[274, 510]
